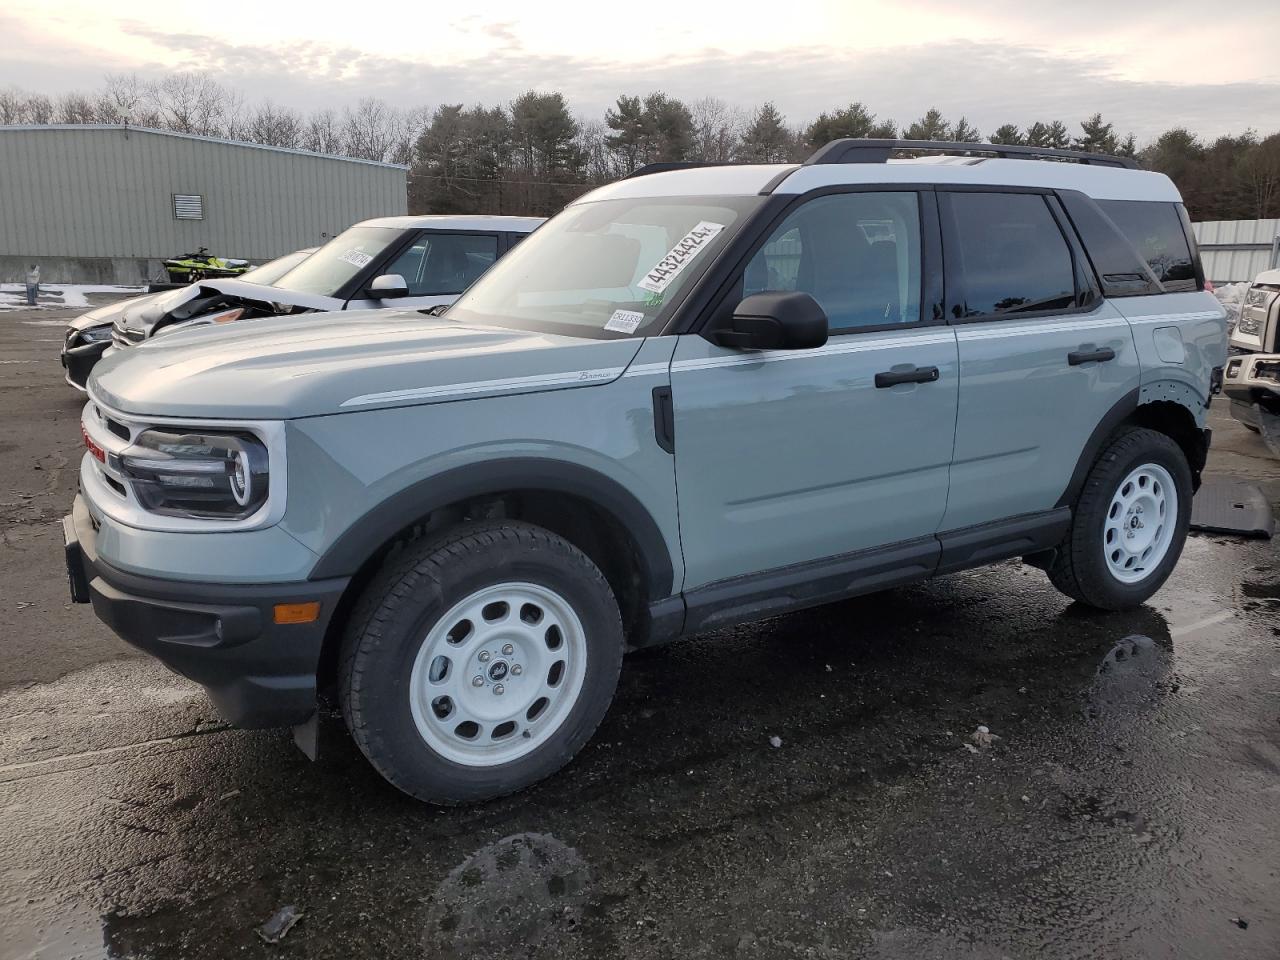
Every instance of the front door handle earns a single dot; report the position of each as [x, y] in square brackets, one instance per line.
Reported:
[1077, 357]
[891, 378]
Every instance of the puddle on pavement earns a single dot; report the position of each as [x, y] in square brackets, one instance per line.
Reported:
[520, 895]
[1133, 676]
[75, 933]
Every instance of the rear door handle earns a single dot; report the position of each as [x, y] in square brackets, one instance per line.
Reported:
[891, 378]
[1077, 357]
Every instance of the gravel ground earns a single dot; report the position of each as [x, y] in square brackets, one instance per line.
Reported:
[805, 787]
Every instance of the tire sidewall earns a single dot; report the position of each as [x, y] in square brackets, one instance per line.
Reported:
[1155, 449]
[385, 711]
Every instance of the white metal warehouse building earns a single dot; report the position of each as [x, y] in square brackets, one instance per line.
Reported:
[1237, 250]
[107, 203]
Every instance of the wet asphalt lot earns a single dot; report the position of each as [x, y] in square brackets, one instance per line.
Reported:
[1129, 808]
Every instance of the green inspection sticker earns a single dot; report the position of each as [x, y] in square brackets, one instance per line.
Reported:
[653, 300]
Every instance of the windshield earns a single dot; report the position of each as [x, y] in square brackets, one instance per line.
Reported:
[334, 265]
[270, 272]
[604, 269]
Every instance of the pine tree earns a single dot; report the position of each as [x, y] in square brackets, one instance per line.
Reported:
[932, 126]
[767, 139]
[1008, 134]
[964, 132]
[1097, 137]
[853, 121]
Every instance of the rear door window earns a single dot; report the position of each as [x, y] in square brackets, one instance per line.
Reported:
[1011, 255]
[1155, 230]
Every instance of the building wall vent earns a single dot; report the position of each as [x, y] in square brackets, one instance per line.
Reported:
[188, 206]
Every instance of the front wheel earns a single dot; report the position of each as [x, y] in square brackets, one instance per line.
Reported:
[480, 663]
[1129, 523]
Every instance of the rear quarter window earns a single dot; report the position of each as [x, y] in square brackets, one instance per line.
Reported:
[1155, 230]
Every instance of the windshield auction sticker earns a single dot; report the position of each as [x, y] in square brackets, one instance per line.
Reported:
[624, 321]
[356, 258]
[691, 244]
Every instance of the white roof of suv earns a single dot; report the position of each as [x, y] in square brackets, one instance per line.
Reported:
[461, 222]
[1099, 182]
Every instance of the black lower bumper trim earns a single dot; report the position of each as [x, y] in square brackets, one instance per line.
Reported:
[223, 636]
[80, 361]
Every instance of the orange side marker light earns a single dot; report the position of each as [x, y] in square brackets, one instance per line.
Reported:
[297, 612]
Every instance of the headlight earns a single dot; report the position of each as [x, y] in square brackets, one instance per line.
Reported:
[200, 475]
[96, 334]
[1249, 325]
[1257, 296]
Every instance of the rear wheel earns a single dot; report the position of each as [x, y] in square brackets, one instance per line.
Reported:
[1129, 523]
[480, 663]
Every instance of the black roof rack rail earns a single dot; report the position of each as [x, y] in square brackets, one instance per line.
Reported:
[851, 150]
[662, 166]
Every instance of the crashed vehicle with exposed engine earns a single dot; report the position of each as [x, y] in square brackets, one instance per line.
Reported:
[1252, 377]
[89, 335]
[407, 262]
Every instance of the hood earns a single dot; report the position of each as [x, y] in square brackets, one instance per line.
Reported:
[143, 318]
[312, 365]
[1271, 277]
[109, 313]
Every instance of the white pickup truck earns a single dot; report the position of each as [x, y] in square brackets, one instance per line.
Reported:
[1252, 377]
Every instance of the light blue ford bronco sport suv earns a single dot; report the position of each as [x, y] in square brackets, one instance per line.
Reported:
[696, 397]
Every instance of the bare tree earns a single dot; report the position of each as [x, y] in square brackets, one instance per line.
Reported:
[717, 129]
[597, 159]
[323, 133]
[74, 108]
[274, 126]
[121, 98]
[191, 103]
[39, 109]
[368, 130]
[13, 106]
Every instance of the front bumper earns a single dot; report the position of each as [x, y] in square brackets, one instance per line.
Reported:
[79, 361]
[1253, 378]
[223, 636]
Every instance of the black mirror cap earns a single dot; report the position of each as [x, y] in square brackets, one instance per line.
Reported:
[781, 320]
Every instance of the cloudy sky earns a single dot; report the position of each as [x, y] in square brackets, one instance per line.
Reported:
[1146, 65]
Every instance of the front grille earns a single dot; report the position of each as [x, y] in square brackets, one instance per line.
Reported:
[122, 336]
[118, 428]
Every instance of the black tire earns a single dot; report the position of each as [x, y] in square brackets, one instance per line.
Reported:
[391, 622]
[1080, 569]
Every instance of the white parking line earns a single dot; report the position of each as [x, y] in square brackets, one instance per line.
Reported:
[1201, 624]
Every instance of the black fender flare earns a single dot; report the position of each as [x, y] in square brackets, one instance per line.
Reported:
[368, 534]
[1125, 408]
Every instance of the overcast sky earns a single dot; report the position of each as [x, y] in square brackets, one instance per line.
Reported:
[1146, 65]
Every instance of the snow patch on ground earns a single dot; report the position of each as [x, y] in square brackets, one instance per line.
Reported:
[13, 296]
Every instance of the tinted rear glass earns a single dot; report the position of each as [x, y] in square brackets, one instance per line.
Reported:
[1013, 256]
[1155, 230]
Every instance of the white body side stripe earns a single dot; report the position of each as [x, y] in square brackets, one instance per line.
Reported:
[487, 386]
[843, 345]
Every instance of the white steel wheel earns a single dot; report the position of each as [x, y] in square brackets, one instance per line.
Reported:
[1140, 523]
[498, 673]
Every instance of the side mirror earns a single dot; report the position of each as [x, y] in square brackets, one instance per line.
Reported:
[776, 321]
[389, 286]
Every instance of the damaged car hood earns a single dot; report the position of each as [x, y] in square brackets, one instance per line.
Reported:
[287, 367]
[110, 313]
[139, 318]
